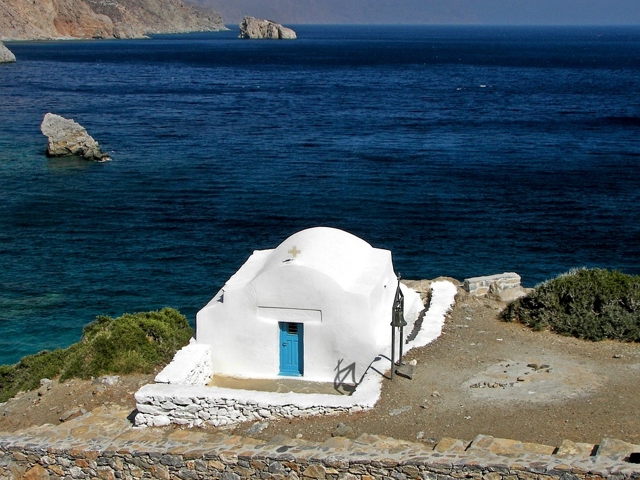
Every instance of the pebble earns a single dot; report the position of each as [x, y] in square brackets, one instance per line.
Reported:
[257, 428]
[398, 411]
[108, 380]
[343, 430]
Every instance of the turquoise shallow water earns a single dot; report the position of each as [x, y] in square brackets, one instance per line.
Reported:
[465, 151]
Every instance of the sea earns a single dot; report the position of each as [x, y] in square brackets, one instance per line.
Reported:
[465, 151]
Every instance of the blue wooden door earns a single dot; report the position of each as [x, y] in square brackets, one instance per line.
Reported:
[291, 349]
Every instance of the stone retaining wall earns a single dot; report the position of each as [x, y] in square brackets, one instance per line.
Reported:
[161, 405]
[366, 458]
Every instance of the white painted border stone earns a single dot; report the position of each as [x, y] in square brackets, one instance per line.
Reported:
[198, 405]
[496, 284]
[191, 365]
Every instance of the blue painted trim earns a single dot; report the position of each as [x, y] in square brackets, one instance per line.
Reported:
[291, 349]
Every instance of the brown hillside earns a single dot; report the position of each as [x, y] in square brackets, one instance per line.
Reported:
[56, 19]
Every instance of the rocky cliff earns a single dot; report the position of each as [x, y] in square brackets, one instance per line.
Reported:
[56, 19]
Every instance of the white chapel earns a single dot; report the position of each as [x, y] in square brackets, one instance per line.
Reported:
[318, 304]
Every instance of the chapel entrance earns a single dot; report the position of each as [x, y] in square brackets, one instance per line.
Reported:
[291, 349]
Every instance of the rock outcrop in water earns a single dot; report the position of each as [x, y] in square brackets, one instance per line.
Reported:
[67, 137]
[56, 19]
[251, 27]
[6, 55]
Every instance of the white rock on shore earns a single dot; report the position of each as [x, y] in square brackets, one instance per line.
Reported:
[251, 27]
[67, 137]
[6, 55]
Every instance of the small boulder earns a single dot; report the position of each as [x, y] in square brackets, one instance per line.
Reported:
[72, 413]
[108, 380]
[6, 55]
[45, 385]
[67, 137]
[257, 428]
[251, 27]
[342, 430]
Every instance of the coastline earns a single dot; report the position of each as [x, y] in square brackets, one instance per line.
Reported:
[85, 19]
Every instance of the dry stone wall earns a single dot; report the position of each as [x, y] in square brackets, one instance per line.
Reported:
[161, 405]
[214, 407]
[136, 456]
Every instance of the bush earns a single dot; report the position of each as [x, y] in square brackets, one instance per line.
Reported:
[26, 374]
[592, 304]
[132, 343]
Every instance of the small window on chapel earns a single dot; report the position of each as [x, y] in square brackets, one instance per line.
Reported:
[292, 328]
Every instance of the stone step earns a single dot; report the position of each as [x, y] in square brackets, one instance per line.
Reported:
[572, 449]
[451, 445]
[508, 447]
[617, 449]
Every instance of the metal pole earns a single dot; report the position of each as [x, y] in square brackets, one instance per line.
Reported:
[401, 342]
[393, 350]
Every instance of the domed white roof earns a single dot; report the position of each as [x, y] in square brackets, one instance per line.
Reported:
[335, 253]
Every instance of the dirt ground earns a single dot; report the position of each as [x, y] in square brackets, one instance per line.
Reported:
[481, 376]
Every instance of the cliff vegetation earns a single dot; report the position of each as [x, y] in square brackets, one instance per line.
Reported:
[132, 343]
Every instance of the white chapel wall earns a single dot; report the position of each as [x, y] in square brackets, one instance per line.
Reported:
[195, 405]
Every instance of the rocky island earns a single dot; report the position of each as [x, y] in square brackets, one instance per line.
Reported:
[6, 55]
[251, 27]
[66, 137]
[51, 19]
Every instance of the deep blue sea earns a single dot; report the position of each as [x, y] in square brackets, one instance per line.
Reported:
[464, 150]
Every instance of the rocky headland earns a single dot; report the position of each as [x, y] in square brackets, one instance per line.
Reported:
[67, 137]
[6, 55]
[69, 19]
[254, 28]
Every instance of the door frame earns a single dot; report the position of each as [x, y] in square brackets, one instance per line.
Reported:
[288, 339]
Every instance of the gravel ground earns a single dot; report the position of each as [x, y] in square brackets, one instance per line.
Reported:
[485, 376]
[481, 376]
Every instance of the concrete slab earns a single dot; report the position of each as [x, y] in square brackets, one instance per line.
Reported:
[280, 385]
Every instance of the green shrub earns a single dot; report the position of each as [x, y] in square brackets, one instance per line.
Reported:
[592, 304]
[132, 343]
[26, 374]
